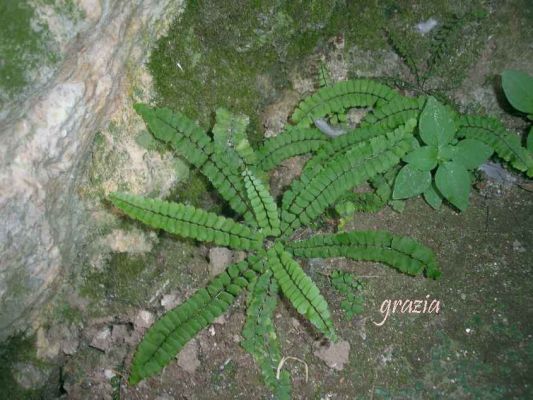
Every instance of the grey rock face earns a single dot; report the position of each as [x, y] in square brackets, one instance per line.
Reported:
[45, 141]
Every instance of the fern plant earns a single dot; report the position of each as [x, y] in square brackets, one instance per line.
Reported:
[265, 227]
[440, 59]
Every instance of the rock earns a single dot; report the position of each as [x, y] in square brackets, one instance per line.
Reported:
[75, 83]
[276, 115]
[518, 247]
[102, 340]
[29, 376]
[169, 301]
[70, 340]
[143, 320]
[134, 241]
[109, 374]
[188, 357]
[45, 346]
[219, 259]
[119, 333]
[335, 355]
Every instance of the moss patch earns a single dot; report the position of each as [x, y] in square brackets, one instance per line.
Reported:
[24, 46]
[222, 53]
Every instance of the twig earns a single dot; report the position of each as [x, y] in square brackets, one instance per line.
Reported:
[280, 365]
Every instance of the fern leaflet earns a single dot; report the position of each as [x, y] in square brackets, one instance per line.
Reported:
[339, 97]
[403, 253]
[289, 143]
[263, 205]
[300, 290]
[260, 338]
[506, 145]
[188, 221]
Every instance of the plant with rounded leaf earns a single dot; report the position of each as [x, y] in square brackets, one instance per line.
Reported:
[518, 88]
[440, 151]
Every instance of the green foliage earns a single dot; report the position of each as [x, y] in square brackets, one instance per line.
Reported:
[443, 55]
[339, 97]
[260, 338]
[368, 201]
[300, 290]
[291, 142]
[174, 329]
[264, 206]
[518, 88]
[505, 144]
[441, 150]
[402, 253]
[188, 221]
[350, 288]
[313, 193]
[263, 226]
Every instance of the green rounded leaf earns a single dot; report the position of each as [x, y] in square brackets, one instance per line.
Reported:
[424, 158]
[410, 182]
[446, 152]
[518, 88]
[453, 182]
[529, 142]
[471, 153]
[433, 197]
[436, 124]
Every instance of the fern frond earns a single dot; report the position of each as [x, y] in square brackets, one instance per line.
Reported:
[400, 252]
[260, 339]
[506, 145]
[186, 138]
[194, 145]
[339, 97]
[341, 144]
[289, 143]
[403, 52]
[445, 38]
[395, 113]
[324, 77]
[229, 135]
[300, 290]
[174, 329]
[309, 197]
[263, 205]
[369, 202]
[188, 221]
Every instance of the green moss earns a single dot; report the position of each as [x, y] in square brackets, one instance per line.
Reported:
[18, 348]
[215, 54]
[24, 46]
[131, 280]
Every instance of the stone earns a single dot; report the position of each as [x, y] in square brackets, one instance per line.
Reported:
[69, 340]
[219, 259]
[45, 347]
[188, 357]
[143, 320]
[47, 131]
[119, 333]
[102, 340]
[134, 241]
[169, 301]
[29, 376]
[335, 355]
